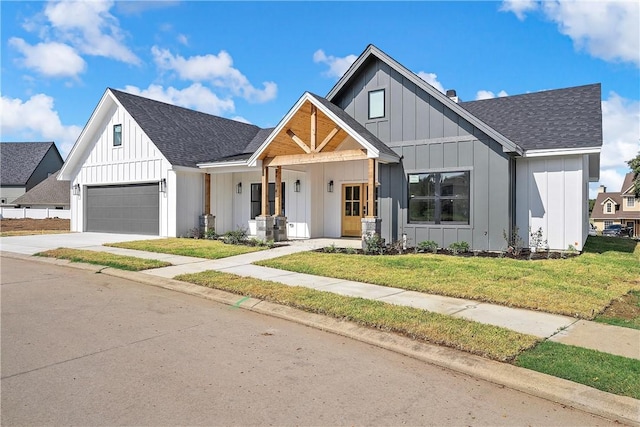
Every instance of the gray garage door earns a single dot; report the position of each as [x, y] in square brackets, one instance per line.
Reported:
[123, 209]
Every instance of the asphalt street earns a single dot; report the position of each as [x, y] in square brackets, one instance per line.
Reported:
[89, 349]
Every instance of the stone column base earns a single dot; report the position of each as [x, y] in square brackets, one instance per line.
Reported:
[371, 226]
[264, 228]
[207, 222]
[279, 228]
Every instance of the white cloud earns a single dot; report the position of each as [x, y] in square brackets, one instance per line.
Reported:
[621, 140]
[182, 39]
[337, 65]
[50, 59]
[36, 118]
[519, 7]
[487, 94]
[605, 29]
[196, 97]
[241, 119]
[90, 28]
[432, 79]
[215, 69]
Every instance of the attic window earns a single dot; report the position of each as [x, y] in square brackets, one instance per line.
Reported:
[376, 104]
[117, 135]
[631, 202]
[609, 207]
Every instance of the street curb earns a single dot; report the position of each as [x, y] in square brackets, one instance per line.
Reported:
[617, 408]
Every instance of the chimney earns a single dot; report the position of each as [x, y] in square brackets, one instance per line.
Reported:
[602, 189]
[451, 94]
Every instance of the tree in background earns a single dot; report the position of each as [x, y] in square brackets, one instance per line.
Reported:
[634, 164]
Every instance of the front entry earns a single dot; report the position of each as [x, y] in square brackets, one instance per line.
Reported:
[352, 209]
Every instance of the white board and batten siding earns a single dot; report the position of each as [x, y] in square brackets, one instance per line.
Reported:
[552, 194]
[136, 161]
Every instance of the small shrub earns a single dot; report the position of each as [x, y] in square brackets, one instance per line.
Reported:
[428, 246]
[350, 250]
[236, 237]
[515, 243]
[195, 233]
[459, 247]
[397, 246]
[210, 234]
[330, 249]
[270, 244]
[536, 240]
[373, 245]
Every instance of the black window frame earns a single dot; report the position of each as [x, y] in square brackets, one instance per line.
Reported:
[117, 135]
[256, 198]
[441, 199]
[384, 107]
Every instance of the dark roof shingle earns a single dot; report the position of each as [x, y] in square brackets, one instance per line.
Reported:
[48, 192]
[187, 137]
[560, 118]
[20, 160]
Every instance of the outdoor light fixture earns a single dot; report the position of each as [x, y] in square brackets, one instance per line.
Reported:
[239, 188]
[330, 186]
[296, 186]
[163, 185]
[76, 189]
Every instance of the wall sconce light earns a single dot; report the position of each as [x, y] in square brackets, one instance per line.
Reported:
[163, 185]
[239, 188]
[296, 186]
[76, 189]
[330, 186]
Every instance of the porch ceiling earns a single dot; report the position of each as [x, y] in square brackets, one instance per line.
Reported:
[295, 137]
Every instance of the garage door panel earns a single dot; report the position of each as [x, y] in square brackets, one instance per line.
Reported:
[123, 209]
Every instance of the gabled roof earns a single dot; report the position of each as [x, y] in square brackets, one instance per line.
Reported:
[375, 148]
[552, 119]
[186, 137]
[48, 192]
[627, 184]
[618, 214]
[613, 197]
[20, 160]
[373, 51]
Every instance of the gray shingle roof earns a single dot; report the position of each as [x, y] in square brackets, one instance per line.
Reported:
[187, 137]
[355, 125]
[20, 159]
[561, 118]
[48, 192]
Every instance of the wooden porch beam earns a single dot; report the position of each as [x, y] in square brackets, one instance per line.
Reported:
[314, 125]
[207, 193]
[302, 159]
[278, 207]
[298, 141]
[327, 139]
[264, 210]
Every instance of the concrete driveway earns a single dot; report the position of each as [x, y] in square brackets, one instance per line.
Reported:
[30, 245]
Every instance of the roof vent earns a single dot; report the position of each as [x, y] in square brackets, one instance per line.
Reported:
[451, 94]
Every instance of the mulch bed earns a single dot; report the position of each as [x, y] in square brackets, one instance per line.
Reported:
[524, 255]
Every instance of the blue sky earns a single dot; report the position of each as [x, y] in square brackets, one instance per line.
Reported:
[252, 60]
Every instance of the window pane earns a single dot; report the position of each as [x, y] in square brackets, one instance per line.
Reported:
[356, 193]
[376, 104]
[356, 208]
[454, 184]
[422, 185]
[117, 135]
[455, 211]
[347, 208]
[422, 210]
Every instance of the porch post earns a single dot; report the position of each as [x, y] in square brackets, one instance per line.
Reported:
[371, 225]
[278, 196]
[207, 221]
[264, 222]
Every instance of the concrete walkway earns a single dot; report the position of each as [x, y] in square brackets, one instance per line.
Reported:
[568, 330]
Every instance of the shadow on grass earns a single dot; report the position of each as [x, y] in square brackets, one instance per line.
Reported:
[600, 244]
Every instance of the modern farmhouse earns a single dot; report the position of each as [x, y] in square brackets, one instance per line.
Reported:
[382, 152]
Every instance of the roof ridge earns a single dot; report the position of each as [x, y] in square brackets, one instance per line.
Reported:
[544, 91]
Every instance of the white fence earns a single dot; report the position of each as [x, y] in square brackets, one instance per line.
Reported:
[35, 213]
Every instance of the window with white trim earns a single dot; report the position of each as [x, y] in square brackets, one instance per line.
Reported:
[376, 104]
[607, 223]
[117, 135]
[256, 199]
[631, 202]
[608, 207]
[440, 197]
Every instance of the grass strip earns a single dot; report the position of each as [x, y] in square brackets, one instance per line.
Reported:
[199, 248]
[603, 371]
[582, 286]
[31, 232]
[485, 340]
[121, 262]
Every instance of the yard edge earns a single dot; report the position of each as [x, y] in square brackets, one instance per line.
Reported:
[610, 406]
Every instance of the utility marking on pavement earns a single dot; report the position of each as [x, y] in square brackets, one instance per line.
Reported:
[240, 301]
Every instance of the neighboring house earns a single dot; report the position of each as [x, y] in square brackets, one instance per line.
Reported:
[25, 165]
[382, 152]
[617, 208]
[50, 193]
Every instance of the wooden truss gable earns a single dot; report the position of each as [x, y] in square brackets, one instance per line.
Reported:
[309, 136]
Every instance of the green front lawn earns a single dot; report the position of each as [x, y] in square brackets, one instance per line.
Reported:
[199, 248]
[580, 286]
[103, 258]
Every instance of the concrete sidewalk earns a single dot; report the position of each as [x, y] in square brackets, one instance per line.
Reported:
[568, 330]
[606, 338]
